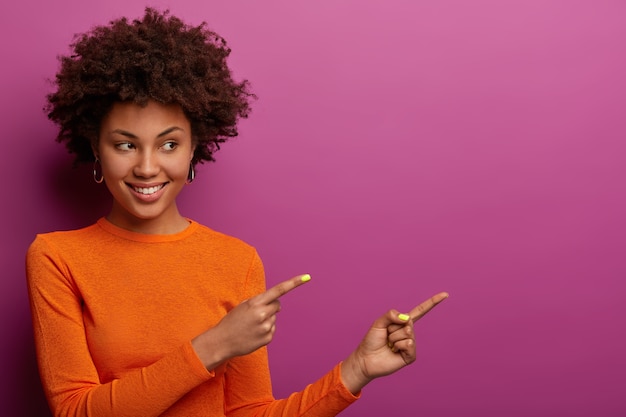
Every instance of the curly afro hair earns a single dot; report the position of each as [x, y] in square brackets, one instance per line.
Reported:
[156, 58]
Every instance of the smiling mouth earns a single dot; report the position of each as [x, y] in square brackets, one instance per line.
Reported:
[148, 190]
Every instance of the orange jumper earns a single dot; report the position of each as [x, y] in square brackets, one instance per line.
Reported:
[114, 313]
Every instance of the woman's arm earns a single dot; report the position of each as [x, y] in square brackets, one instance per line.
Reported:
[247, 390]
[245, 328]
[388, 346]
[70, 378]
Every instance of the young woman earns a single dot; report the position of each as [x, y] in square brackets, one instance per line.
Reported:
[146, 312]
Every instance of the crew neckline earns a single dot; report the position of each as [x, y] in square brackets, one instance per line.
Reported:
[144, 237]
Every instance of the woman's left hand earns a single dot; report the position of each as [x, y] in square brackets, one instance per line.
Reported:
[388, 346]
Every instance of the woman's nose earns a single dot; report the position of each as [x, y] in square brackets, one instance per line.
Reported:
[147, 165]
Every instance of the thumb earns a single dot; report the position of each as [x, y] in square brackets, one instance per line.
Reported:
[391, 317]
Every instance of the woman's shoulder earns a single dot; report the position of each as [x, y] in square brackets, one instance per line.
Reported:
[219, 239]
[61, 245]
[64, 237]
[197, 236]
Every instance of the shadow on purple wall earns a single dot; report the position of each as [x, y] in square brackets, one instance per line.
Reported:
[78, 199]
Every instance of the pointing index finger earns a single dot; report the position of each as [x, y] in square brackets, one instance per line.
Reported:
[421, 310]
[283, 288]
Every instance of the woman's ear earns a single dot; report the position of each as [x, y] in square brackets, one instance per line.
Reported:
[94, 149]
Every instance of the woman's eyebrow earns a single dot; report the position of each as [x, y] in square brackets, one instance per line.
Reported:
[133, 136]
[170, 130]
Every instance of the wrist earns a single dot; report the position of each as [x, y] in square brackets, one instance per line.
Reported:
[353, 374]
[209, 349]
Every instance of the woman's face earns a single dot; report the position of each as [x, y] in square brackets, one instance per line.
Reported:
[145, 154]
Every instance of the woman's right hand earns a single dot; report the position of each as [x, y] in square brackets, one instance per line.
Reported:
[245, 328]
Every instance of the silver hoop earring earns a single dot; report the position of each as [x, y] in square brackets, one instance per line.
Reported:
[191, 175]
[95, 172]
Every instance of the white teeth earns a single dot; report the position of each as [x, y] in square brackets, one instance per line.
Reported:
[148, 190]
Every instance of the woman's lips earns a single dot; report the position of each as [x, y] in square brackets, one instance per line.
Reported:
[147, 193]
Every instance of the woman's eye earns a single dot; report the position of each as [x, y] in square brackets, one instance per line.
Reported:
[124, 146]
[170, 146]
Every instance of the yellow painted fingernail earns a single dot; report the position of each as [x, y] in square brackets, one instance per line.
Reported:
[305, 278]
[403, 317]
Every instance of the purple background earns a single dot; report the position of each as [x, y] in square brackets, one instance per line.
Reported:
[397, 149]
